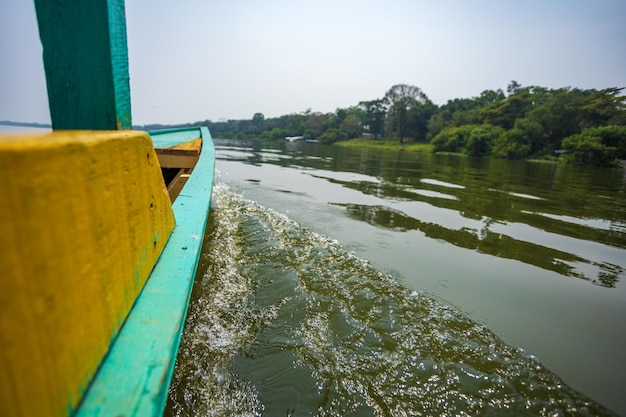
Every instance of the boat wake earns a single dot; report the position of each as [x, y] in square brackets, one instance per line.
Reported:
[288, 322]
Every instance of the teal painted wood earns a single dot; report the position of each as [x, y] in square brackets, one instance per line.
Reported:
[171, 137]
[119, 63]
[135, 376]
[86, 61]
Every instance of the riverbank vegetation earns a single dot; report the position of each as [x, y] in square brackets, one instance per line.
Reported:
[390, 143]
[571, 124]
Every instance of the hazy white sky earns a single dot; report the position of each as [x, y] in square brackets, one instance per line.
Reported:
[194, 60]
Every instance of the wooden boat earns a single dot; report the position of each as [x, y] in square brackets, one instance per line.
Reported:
[101, 233]
[134, 378]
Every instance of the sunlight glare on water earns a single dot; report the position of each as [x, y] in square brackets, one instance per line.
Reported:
[286, 321]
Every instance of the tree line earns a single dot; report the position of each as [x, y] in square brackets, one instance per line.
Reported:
[582, 126]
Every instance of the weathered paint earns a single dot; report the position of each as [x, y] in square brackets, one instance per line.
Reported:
[169, 138]
[86, 60]
[134, 379]
[84, 216]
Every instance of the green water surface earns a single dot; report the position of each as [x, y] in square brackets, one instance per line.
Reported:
[366, 282]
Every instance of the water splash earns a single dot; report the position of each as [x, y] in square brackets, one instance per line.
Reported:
[288, 322]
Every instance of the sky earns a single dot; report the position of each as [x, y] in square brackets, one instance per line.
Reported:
[194, 60]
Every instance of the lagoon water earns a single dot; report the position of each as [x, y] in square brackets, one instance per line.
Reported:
[360, 282]
[23, 129]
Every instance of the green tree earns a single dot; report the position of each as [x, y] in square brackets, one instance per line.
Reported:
[332, 135]
[480, 139]
[605, 107]
[524, 139]
[462, 111]
[341, 114]
[588, 149]
[613, 136]
[351, 126]
[489, 96]
[314, 124]
[511, 144]
[473, 140]
[504, 113]
[599, 146]
[561, 115]
[417, 120]
[278, 134]
[400, 99]
[513, 87]
[533, 133]
[258, 119]
[452, 139]
[374, 116]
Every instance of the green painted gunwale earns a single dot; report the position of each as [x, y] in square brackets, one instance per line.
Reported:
[134, 377]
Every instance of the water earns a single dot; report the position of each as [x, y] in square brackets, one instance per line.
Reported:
[343, 282]
[23, 129]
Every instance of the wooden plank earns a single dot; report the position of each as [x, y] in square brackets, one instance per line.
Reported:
[86, 60]
[177, 160]
[84, 216]
[134, 379]
[176, 186]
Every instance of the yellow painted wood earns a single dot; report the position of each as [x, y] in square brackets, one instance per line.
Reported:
[83, 218]
[195, 145]
[182, 155]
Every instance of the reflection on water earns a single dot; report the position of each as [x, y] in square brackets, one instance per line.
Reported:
[536, 252]
[288, 322]
[567, 209]
[493, 241]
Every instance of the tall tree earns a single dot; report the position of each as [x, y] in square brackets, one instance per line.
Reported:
[605, 107]
[513, 87]
[562, 114]
[374, 117]
[504, 112]
[257, 124]
[258, 119]
[313, 124]
[400, 99]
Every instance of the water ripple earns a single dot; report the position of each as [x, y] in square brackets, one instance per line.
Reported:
[288, 322]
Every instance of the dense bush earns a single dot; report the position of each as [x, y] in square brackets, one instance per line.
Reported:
[525, 138]
[332, 135]
[480, 139]
[452, 139]
[599, 146]
[474, 140]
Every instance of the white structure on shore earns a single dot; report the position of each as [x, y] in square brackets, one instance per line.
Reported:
[293, 138]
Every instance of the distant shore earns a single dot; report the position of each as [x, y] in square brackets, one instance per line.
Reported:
[391, 143]
[394, 144]
[26, 124]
